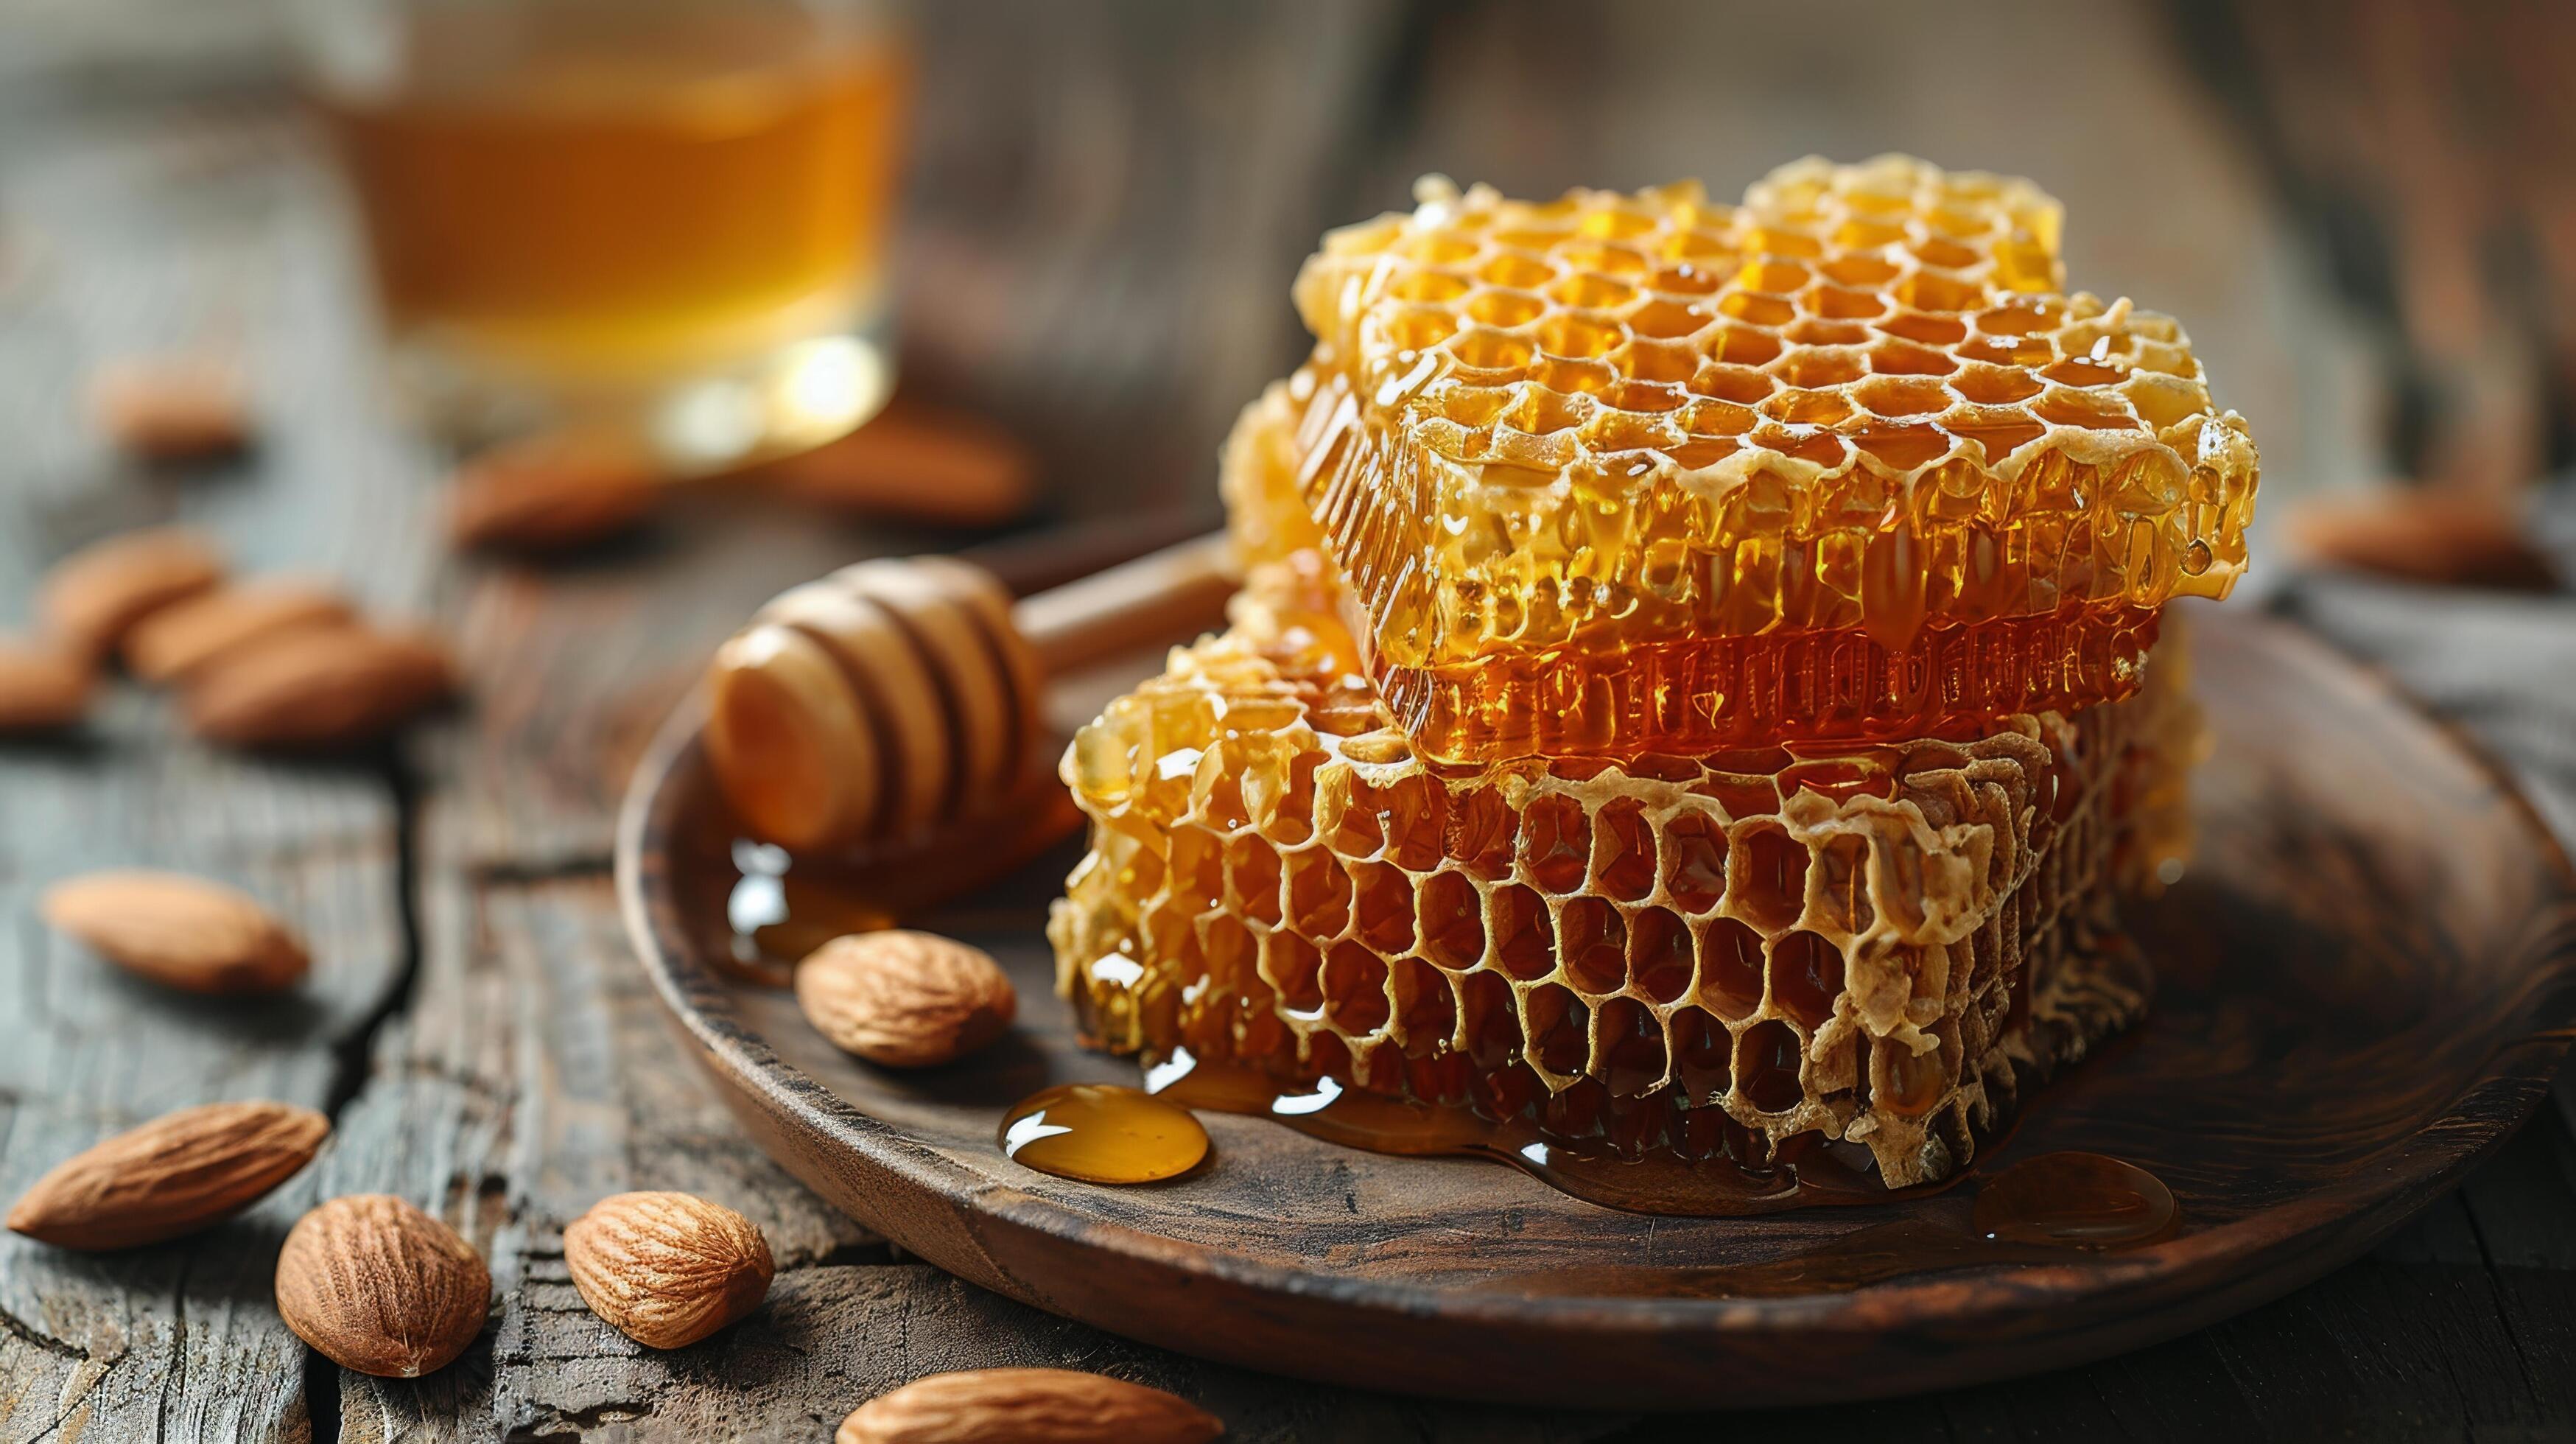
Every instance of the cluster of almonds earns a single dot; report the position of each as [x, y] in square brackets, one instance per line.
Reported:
[371, 1281]
[375, 1284]
[559, 490]
[272, 662]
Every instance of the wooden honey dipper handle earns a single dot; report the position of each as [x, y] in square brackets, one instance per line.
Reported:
[895, 695]
[1134, 604]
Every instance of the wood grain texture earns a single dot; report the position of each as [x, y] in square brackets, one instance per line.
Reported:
[475, 1020]
[2366, 984]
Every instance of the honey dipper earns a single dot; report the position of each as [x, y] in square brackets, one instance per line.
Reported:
[897, 694]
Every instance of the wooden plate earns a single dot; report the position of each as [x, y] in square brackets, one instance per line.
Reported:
[2367, 981]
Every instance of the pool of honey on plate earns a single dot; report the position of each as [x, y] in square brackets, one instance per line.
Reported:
[2052, 1208]
[2049, 1208]
[1103, 1133]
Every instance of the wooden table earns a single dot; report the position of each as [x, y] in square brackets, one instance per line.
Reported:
[475, 1026]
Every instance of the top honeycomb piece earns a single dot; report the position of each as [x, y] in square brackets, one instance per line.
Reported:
[1554, 446]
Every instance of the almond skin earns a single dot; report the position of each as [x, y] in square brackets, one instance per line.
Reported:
[172, 408]
[42, 687]
[174, 1175]
[550, 493]
[378, 1286]
[184, 638]
[93, 597]
[667, 1269]
[1027, 1406]
[180, 931]
[905, 999]
[319, 687]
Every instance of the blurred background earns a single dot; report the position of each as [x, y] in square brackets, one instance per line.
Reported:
[2365, 214]
[1078, 222]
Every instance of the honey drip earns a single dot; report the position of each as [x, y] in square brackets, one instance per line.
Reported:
[778, 912]
[1809, 1173]
[1708, 694]
[2075, 1200]
[2056, 1208]
[1103, 1133]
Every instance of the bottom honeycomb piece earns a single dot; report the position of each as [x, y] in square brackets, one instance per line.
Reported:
[1742, 954]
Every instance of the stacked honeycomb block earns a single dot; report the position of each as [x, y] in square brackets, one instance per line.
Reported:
[1702, 682]
[1620, 473]
[1718, 955]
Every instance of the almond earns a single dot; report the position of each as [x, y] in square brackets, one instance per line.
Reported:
[174, 1175]
[42, 686]
[917, 464]
[94, 596]
[550, 493]
[185, 637]
[1027, 1406]
[667, 1269]
[181, 931]
[378, 1286]
[172, 408]
[2445, 537]
[318, 687]
[905, 999]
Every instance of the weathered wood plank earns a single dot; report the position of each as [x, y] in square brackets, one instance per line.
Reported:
[534, 1074]
[181, 1340]
[1118, 316]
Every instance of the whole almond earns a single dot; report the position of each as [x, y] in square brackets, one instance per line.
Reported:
[186, 637]
[318, 687]
[667, 1269]
[378, 1286]
[172, 408]
[174, 1175]
[181, 931]
[917, 464]
[905, 999]
[94, 596]
[551, 492]
[42, 686]
[2442, 536]
[1027, 1406]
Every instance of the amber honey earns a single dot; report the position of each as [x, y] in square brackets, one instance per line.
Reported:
[1627, 473]
[589, 191]
[2075, 1200]
[1724, 959]
[1102, 1133]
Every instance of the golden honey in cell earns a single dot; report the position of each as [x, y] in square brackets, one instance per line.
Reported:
[1701, 691]
[1728, 959]
[588, 200]
[1627, 473]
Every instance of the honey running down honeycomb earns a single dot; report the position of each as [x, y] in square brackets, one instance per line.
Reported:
[1740, 956]
[1628, 473]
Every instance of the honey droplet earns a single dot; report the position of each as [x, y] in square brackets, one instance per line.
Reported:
[2074, 1200]
[1102, 1133]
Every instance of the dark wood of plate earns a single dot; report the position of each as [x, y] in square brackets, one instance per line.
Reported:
[2366, 982]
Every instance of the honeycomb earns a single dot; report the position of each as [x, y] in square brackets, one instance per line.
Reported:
[1629, 473]
[1726, 955]
[1265, 520]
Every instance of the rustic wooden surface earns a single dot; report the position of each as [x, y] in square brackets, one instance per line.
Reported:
[2376, 941]
[475, 1025]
